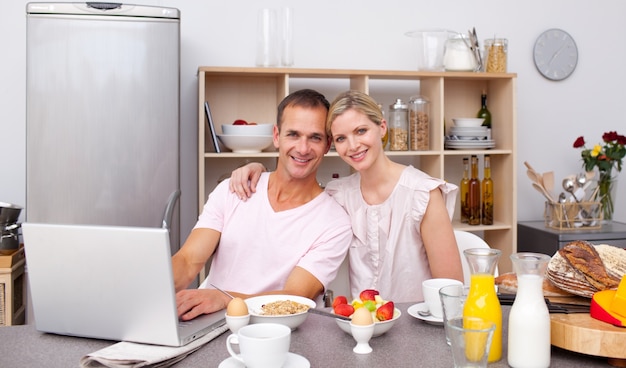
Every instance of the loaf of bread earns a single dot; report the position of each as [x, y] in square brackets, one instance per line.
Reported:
[581, 268]
[507, 284]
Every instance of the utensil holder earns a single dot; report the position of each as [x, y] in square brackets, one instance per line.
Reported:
[568, 216]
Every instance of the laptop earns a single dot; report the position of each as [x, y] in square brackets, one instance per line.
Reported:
[107, 282]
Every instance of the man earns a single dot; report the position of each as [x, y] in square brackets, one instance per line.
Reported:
[288, 239]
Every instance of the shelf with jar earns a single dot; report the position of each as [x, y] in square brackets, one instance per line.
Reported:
[254, 93]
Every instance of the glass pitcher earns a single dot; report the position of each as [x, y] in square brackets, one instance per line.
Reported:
[529, 319]
[482, 300]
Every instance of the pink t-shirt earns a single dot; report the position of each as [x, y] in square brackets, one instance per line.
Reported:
[259, 247]
[387, 252]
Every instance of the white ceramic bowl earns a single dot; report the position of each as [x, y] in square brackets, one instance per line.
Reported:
[246, 143]
[468, 122]
[379, 327]
[258, 129]
[292, 321]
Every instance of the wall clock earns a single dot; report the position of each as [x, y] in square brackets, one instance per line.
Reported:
[555, 54]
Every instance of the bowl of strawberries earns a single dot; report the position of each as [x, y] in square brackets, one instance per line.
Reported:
[384, 313]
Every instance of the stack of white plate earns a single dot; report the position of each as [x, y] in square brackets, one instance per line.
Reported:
[469, 138]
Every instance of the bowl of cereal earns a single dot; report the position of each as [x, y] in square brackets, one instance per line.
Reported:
[289, 310]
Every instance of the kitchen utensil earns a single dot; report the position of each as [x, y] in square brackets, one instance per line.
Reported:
[9, 213]
[548, 181]
[562, 200]
[328, 314]
[543, 191]
[569, 184]
[223, 291]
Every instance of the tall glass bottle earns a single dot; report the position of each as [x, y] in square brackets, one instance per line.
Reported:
[529, 319]
[482, 300]
[473, 195]
[464, 192]
[484, 111]
[487, 193]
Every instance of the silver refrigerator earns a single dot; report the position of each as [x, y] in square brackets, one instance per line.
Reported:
[102, 138]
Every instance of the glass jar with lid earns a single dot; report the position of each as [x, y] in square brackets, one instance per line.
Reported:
[496, 55]
[419, 123]
[458, 56]
[398, 126]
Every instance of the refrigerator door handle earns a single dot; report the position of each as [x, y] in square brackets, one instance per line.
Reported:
[169, 209]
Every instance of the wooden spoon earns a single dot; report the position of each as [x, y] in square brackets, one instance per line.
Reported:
[543, 191]
[548, 181]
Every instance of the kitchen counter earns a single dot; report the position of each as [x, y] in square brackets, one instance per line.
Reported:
[411, 342]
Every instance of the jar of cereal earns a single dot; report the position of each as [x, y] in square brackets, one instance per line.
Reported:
[398, 126]
[419, 123]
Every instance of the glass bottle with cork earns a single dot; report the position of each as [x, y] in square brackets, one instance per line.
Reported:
[484, 112]
[465, 191]
[473, 196]
[487, 193]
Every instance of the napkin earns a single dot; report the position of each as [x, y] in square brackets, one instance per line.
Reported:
[134, 355]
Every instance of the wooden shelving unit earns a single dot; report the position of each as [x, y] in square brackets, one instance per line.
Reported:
[254, 93]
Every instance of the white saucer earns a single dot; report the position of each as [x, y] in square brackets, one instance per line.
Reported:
[428, 319]
[293, 361]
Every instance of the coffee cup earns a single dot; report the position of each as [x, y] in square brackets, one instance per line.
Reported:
[430, 290]
[261, 345]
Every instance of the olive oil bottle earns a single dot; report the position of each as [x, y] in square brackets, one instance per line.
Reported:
[465, 191]
[487, 193]
[474, 194]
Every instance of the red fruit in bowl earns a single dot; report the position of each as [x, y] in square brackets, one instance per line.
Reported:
[240, 122]
[344, 310]
[385, 311]
[340, 300]
[368, 294]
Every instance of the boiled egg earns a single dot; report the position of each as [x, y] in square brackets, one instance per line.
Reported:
[362, 317]
[237, 307]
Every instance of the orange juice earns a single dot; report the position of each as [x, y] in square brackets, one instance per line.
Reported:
[482, 302]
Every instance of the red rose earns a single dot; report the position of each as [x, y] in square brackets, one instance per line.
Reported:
[609, 136]
[580, 141]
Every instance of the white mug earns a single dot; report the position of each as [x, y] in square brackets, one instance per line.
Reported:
[261, 345]
[430, 289]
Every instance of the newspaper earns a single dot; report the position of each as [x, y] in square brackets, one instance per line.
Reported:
[134, 355]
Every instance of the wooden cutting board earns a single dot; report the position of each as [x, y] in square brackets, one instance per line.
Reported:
[583, 334]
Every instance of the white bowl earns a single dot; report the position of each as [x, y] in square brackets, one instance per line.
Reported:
[292, 321]
[246, 143]
[258, 129]
[379, 327]
[468, 122]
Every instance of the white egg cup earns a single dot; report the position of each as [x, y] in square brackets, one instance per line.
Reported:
[362, 335]
[234, 323]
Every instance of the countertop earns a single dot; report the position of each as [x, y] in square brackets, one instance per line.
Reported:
[410, 343]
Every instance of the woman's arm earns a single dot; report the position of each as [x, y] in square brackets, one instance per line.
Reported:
[243, 180]
[438, 236]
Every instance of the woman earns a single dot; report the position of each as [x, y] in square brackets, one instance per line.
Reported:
[400, 215]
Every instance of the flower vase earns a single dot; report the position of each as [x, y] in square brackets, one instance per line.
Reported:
[607, 188]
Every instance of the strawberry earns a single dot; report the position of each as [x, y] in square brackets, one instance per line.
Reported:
[368, 294]
[344, 310]
[340, 300]
[240, 122]
[385, 312]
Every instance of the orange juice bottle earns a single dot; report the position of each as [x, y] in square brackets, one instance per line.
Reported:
[482, 301]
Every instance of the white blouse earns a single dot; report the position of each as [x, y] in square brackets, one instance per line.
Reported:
[387, 252]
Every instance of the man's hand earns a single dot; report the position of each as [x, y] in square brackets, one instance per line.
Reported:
[191, 303]
[243, 180]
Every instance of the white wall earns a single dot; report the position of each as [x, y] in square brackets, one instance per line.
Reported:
[340, 34]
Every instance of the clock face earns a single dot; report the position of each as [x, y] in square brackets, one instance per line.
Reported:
[555, 54]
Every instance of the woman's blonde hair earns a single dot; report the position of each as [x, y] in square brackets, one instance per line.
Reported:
[353, 100]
